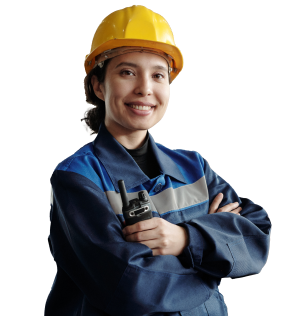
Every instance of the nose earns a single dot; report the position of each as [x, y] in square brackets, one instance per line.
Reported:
[143, 86]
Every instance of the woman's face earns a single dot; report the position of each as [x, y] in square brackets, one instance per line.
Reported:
[136, 92]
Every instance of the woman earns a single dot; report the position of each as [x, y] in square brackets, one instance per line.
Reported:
[172, 263]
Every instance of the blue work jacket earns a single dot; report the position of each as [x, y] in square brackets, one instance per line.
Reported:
[100, 273]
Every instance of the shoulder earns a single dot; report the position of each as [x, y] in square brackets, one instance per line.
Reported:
[73, 162]
[81, 168]
[183, 156]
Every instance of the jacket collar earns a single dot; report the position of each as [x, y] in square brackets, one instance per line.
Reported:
[121, 166]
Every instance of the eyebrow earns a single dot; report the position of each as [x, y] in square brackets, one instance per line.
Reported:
[136, 66]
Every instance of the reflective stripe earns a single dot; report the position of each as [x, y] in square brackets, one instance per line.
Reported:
[165, 201]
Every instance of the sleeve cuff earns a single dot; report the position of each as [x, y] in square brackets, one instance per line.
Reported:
[194, 251]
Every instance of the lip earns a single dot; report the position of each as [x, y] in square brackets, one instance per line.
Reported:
[140, 103]
[140, 112]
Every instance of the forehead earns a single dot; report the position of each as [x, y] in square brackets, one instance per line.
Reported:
[145, 60]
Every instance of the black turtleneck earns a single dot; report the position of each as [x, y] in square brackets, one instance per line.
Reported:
[145, 159]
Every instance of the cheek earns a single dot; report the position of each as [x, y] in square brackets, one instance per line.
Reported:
[164, 95]
[117, 92]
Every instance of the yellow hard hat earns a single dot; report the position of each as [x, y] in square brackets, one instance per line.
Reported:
[135, 26]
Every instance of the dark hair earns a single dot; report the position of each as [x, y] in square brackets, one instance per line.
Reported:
[95, 116]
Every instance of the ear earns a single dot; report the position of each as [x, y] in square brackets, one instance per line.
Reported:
[98, 88]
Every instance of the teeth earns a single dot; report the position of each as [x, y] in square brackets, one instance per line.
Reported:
[140, 107]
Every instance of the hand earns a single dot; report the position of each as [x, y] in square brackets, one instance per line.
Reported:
[162, 237]
[231, 207]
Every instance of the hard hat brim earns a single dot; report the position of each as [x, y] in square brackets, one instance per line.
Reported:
[169, 49]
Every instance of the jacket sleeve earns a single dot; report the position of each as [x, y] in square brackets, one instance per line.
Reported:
[226, 244]
[117, 277]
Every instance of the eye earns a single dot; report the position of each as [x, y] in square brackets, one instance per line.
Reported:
[128, 71]
[125, 71]
[159, 75]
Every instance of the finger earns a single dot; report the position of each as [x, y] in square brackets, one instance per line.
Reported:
[152, 244]
[237, 210]
[131, 229]
[228, 208]
[143, 235]
[216, 202]
[141, 226]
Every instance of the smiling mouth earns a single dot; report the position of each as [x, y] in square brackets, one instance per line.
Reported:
[140, 107]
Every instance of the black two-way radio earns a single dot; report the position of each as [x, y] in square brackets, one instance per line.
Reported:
[135, 210]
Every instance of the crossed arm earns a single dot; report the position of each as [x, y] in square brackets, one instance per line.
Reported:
[165, 238]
